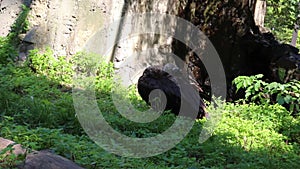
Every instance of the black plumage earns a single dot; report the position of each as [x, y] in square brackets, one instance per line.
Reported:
[174, 87]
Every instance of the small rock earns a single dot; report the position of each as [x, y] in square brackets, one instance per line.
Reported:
[18, 150]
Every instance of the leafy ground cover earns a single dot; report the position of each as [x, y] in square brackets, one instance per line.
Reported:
[36, 110]
[281, 17]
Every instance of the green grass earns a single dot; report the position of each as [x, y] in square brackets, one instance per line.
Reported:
[36, 110]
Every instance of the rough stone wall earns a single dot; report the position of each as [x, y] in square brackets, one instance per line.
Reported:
[65, 25]
[9, 10]
[135, 52]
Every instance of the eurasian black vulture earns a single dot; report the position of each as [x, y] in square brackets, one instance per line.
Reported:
[171, 84]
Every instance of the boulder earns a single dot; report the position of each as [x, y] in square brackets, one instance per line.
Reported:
[47, 160]
[38, 159]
